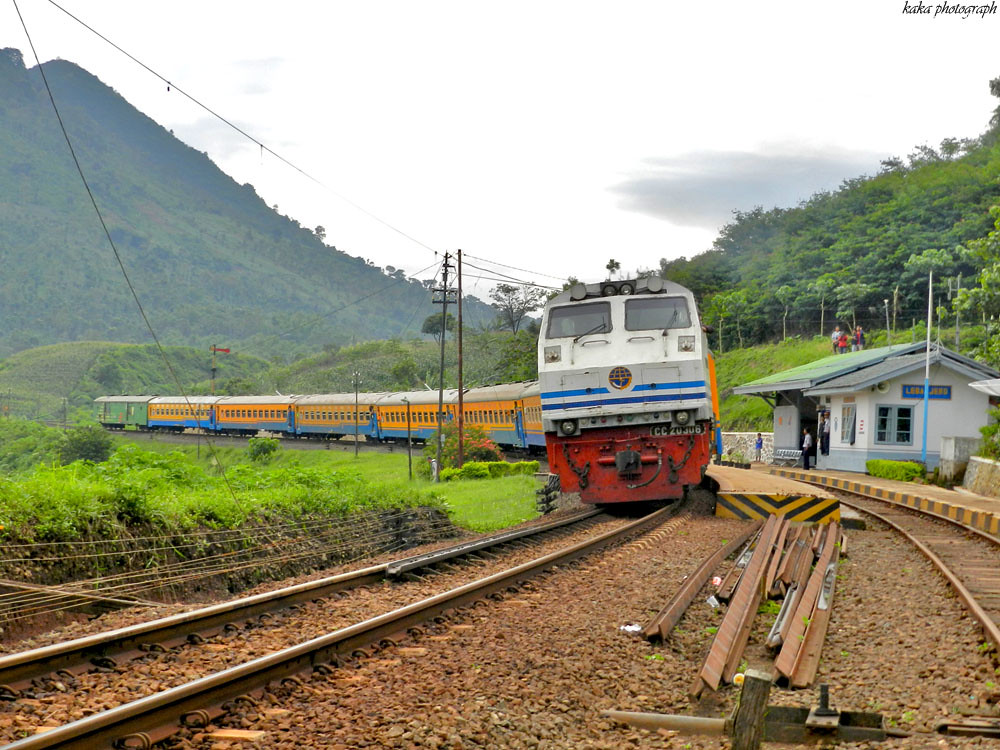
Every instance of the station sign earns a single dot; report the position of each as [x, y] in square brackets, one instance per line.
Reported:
[941, 392]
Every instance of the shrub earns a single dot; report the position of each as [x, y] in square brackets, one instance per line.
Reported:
[475, 470]
[85, 444]
[498, 469]
[903, 471]
[477, 443]
[261, 449]
[489, 470]
[991, 437]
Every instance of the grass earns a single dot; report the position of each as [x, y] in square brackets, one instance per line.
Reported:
[478, 505]
[178, 486]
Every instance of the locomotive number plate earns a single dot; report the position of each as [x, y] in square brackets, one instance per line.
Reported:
[691, 429]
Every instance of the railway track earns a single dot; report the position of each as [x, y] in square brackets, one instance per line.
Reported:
[968, 558]
[154, 717]
[113, 649]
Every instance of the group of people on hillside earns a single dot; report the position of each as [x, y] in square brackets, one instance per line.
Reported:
[841, 340]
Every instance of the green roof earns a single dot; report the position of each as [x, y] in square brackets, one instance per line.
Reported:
[808, 375]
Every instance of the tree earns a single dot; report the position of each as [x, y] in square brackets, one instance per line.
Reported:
[716, 311]
[995, 90]
[739, 306]
[85, 444]
[405, 372]
[514, 302]
[850, 297]
[613, 267]
[786, 295]
[320, 232]
[432, 325]
[823, 286]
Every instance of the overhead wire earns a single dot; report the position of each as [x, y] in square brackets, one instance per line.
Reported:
[514, 268]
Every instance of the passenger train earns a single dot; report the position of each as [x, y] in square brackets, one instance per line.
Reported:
[628, 394]
[511, 414]
[626, 403]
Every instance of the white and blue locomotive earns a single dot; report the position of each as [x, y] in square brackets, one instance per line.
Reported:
[627, 390]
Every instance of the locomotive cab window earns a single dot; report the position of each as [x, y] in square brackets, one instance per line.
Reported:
[579, 320]
[659, 313]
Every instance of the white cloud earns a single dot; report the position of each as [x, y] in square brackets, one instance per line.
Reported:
[704, 188]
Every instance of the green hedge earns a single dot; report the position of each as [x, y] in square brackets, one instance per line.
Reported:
[904, 471]
[489, 470]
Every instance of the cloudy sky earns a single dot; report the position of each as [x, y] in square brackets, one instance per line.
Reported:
[546, 135]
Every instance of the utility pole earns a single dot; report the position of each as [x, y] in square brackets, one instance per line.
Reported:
[356, 378]
[443, 301]
[895, 306]
[956, 287]
[888, 331]
[213, 348]
[409, 439]
[461, 399]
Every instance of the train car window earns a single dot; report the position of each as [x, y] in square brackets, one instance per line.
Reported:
[656, 313]
[579, 320]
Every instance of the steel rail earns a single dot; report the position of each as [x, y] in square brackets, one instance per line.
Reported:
[989, 626]
[903, 506]
[664, 621]
[398, 568]
[151, 719]
[117, 646]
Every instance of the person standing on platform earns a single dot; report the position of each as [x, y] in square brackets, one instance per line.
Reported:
[824, 436]
[807, 444]
[758, 447]
[835, 338]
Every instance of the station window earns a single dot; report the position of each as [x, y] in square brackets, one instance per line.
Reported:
[894, 425]
[847, 415]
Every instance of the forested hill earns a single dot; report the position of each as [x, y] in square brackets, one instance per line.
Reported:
[840, 255]
[210, 261]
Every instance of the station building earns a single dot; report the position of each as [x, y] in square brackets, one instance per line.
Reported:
[874, 400]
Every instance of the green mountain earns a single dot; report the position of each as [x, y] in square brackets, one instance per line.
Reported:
[211, 263]
[60, 381]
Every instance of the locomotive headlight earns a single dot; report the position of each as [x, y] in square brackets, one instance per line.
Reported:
[682, 417]
[685, 343]
[554, 354]
[568, 427]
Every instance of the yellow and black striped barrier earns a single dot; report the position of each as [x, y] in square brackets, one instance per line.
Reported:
[755, 505]
[982, 520]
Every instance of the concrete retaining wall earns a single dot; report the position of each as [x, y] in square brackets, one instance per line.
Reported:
[982, 476]
[955, 454]
[742, 442]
